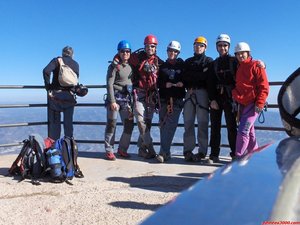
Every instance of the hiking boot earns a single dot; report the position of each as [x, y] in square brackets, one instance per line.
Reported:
[151, 152]
[142, 152]
[110, 156]
[150, 155]
[188, 156]
[163, 157]
[123, 154]
[197, 157]
[160, 158]
[213, 159]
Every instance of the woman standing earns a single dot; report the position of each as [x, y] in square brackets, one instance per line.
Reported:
[250, 92]
[171, 92]
[119, 101]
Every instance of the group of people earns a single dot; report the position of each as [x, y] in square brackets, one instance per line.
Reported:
[139, 84]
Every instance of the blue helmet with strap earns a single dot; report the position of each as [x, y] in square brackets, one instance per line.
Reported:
[124, 45]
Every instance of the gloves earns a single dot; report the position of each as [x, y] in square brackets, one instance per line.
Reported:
[258, 110]
[48, 87]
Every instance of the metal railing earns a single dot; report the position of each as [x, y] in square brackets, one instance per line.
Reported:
[102, 123]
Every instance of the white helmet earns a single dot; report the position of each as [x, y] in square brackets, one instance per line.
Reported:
[223, 37]
[174, 45]
[242, 47]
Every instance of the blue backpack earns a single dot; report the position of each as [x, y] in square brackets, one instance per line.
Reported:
[62, 160]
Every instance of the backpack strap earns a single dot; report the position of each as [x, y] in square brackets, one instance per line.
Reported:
[15, 169]
[60, 61]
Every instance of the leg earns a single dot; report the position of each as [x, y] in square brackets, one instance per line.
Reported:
[109, 137]
[189, 113]
[248, 117]
[203, 120]
[168, 129]
[215, 132]
[68, 121]
[54, 120]
[128, 125]
[230, 118]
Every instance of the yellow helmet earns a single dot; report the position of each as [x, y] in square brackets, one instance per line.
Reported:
[201, 39]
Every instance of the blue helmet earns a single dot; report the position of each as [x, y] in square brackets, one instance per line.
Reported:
[124, 45]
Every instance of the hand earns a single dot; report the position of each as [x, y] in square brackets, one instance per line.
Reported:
[258, 110]
[114, 106]
[169, 84]
[214, 105]
[179, 84]
[261, 64]
[48, 87]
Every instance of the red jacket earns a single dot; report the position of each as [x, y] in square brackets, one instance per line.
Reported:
[251, 84]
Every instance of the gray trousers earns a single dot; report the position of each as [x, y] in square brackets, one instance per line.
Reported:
[196, 106]
[110, 130]
[143, 112]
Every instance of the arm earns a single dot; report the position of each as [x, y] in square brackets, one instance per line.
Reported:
[47, 73]
[262, 87]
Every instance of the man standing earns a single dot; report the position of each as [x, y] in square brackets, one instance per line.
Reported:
[196, 81]
[60, 97]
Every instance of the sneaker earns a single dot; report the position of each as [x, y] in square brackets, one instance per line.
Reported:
[110, 156]
[150, 155]
[142, 152]
[123, 153]
[212, 160]
[188, 156]
[160, 158]
[198, 157]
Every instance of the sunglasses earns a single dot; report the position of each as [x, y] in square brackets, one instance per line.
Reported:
[151, 46]
[173, 50]
[222, 45]
[199, 45]
[125, 51]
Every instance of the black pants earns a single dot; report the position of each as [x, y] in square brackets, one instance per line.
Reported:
[216, 122]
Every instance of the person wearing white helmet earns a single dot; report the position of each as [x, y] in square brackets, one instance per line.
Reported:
[195, 79]
[223, 81]
[250, 92]
[171, 92]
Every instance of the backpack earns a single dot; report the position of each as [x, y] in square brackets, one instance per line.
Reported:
[31, 162]
[66, 76]
[64, 156]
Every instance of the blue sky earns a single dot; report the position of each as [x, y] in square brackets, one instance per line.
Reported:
[33, 32]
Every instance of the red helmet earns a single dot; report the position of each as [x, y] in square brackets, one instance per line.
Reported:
[150, 39]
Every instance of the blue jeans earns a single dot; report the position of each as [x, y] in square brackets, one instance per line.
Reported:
[55, 108]
[168, 124]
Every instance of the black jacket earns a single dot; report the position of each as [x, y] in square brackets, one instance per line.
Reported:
[197, 71]
[172, 73]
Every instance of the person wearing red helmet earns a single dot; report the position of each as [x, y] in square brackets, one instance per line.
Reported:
[145, 65]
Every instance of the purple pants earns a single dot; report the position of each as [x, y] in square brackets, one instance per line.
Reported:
[246, 140]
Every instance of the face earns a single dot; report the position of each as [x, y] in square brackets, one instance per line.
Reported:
[172, 54]
[199, 48]
[150, 49]
[124, 54]
[242, 56]
[222, 48]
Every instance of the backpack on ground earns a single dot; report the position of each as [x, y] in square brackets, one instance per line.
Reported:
[31, 162]
[66, 76]
[64, 155]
